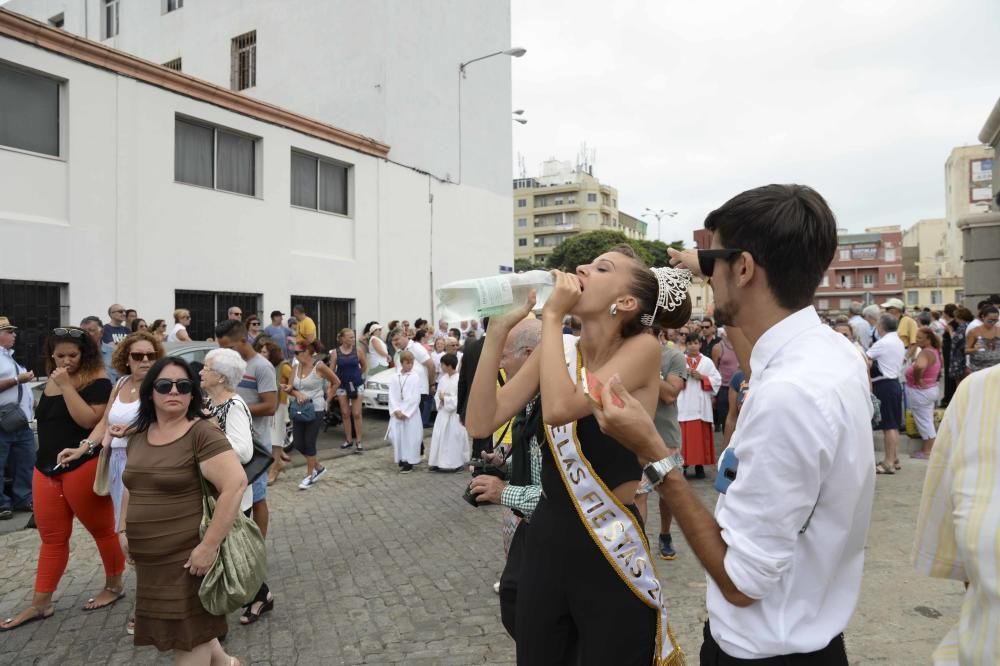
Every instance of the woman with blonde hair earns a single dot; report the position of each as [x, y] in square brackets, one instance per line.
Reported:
[178, 332]
[350, 367]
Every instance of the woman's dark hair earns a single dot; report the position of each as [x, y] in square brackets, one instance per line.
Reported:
[451, 360]
[91, 362]
[419, 335]
[790, 232]
[693, 336]
[157, 324]
[368, 327]
[392, 324]
[119, 359]
[270, 349]
[419, 323]
[646, 289]
[964, 314]
[949, 309]
[251, 318]
[136, 322]
[931, 335]
[147, 410]
[988, 310]
[455, 333]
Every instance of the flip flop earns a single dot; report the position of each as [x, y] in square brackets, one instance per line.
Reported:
[120, 595]
[37, 617]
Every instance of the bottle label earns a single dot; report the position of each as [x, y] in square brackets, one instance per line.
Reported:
[494, 292]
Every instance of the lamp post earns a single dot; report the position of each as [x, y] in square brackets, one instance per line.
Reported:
[513, 52]
[659, 215]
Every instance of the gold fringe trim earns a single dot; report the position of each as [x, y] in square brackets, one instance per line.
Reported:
[676, 656]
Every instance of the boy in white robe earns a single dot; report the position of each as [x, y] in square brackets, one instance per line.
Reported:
[405, 432]
[694, 408]
[450, 446]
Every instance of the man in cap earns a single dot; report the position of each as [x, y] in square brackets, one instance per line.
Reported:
[907, 330]
[17, 443]
[279, 333]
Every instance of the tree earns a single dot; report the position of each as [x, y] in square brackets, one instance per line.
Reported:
[583, 248]
[658, 250]
[521, 265]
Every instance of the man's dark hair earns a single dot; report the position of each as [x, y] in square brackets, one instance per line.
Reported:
[949, 309]
[980, 305]
[790, 232]
[231, 330]
[692, 337]
[419, 323]
[451, 360]
[91, 318]
[708, 319]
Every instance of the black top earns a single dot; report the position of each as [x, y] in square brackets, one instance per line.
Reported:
[612, 462]
[56, 428]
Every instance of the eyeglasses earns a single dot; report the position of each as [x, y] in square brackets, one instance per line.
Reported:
[164, 386]
[706, 326]
[706, 258]
[255, 323]
[117, 312]
[71, 332]
[139, 357]
[238, 314]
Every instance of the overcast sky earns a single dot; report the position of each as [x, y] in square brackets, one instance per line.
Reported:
[690, 103]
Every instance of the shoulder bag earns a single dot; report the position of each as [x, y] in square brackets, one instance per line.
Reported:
[12, 418]
[303, 412]
[261, 459]
[239, 569]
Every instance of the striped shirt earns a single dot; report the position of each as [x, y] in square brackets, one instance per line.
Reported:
[958, 530]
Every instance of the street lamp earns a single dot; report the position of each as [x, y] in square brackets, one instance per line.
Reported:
[514, 52]
[659, 215]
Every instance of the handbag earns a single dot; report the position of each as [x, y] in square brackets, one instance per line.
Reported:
[12, 418]
[301, 412]
[101, 486]
[239, 569]
[261, 458]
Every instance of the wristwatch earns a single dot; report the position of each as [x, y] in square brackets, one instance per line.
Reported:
[656, 471]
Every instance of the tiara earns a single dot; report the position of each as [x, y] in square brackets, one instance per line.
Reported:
[671, 293]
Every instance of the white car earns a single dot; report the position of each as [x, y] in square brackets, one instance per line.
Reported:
[376, 392]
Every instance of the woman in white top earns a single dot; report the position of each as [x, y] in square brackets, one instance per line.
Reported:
[378, 355]
[307, 386]
[178, 332]
[220, 376]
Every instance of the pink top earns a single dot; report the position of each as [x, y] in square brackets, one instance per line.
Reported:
[930, 377]
[728, 363]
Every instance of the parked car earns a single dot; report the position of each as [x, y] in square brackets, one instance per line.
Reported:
[376, 392]
[193, 352]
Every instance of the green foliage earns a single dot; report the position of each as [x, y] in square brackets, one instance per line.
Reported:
[522, 265]
[582, 248]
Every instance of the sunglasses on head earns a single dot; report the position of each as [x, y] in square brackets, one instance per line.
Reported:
[71, 332]
[139, 357]
[164, 386]
[706, 258]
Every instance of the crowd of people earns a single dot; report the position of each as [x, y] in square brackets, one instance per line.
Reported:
[573, 416]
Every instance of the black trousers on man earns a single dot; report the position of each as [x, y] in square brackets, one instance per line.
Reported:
[833, 654]
[510, 577]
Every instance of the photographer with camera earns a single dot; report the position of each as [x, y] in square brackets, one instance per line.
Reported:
[519, 495]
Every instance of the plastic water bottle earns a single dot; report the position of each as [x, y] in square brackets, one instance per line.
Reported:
[491, 296]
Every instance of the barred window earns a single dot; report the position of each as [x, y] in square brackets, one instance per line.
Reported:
[174, 64]
[244, 65]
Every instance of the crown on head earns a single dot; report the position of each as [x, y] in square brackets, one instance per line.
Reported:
[672, 291]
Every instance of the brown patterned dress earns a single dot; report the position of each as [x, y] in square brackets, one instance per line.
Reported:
[164, 512]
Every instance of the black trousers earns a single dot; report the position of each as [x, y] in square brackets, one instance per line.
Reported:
[511, 576]
[833, 654]
[572, 608]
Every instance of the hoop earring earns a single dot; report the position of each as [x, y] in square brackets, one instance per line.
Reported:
[613, 310]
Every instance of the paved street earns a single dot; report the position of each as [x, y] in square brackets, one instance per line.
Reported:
[377, 568]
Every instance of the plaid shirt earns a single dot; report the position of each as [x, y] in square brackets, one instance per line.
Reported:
[525, 498]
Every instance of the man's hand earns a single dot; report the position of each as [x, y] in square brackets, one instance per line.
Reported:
[487, 489]
[685, 259]
[629, 424]
[25, 377]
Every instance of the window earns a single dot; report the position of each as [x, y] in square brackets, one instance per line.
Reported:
[614, 202]
[845, 282]
[110, 18]
[845, 303]
[868, 280]
[912, 297]
[319, 184]
[697, 301]
[845, 254]
[824, 304]
[244, 61]
[213, 157]
[174, 64]
[57, 21]
[825, 282]
[522, 242]
[522, 222]
[936, 297]
[522, 203]
[541, 202]
[890, 278]
[29, 111]
[890, 254]
[571, 199]
[173, 5]
[592, 197]
[558, 201]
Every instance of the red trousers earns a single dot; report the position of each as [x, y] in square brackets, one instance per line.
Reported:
[57, 499]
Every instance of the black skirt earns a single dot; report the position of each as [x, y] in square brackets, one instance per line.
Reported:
[890, 394]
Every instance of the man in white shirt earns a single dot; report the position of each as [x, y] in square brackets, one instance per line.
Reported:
[784, 551]
[17, 444]
[887, 355]
[423, 367]
[862, 329]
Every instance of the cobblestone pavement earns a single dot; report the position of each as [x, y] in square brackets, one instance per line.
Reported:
[377, 568]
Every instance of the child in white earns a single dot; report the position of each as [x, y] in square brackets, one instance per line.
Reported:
[405, 432]
[450, 446]
[694, 408]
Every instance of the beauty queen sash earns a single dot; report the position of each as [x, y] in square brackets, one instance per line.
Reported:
[614, 529]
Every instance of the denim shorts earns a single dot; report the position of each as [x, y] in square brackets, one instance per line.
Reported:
[260, 485]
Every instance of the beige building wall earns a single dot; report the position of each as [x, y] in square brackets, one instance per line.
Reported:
[968, 190]
[930, 237]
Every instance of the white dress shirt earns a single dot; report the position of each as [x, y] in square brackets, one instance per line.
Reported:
[806, 458]
[862, 330]
[420, 356]
[889, 352]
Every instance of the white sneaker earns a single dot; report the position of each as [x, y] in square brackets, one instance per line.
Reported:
[318, 473]
[308, 482]
[496, 587]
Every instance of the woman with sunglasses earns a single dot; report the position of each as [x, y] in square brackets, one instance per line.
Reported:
[982, 343]
[72, 403]
[132, 359]
[162, 511]
[306, 385]
[159, 330]
[139, 325]
[253, 328]
[178, 332]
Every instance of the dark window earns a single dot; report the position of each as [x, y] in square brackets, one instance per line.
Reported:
[592, 197]
[210, 307]
[58, 21]
[194, 153]
[174, 64]
[35, 308]
[29, 111]
[173, 5]
[244, 61]
[319, 184]
[111, 8]
[330, 315]
[214, 157]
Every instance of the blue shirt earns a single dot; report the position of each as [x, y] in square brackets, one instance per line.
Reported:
[280, 335]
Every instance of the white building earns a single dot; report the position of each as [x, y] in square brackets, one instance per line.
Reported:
[127, 182]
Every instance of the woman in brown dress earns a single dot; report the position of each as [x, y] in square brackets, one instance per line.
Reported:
[162, 510]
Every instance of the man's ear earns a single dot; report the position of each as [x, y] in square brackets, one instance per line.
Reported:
[746, 269]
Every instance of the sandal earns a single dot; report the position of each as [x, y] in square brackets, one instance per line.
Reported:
[130, 626]
[895, 465]
[884, 468]
[249, 617]
[920, 455]
[119, 595]
[36, 616]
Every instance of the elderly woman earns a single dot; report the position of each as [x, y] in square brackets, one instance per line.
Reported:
[178, 332]
[887, 361]
[982, 344]
[72, 403]
[221, 374]
[175, 443]
[922, 388]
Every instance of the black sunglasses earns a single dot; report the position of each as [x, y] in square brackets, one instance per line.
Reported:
[71, 332]
[164, 386]
[706, 258]
[139, 357]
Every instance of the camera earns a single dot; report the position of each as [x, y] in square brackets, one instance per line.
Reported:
[481, 467]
